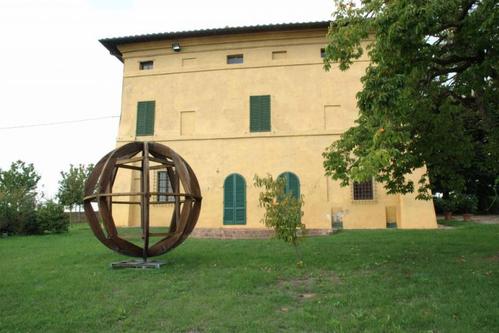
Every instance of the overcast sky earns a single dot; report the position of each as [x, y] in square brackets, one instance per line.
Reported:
[54, 69]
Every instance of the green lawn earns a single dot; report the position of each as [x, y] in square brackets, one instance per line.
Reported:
[377, 281]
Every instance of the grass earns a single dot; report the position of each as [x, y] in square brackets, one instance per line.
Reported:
[454, 223]
[377, 281]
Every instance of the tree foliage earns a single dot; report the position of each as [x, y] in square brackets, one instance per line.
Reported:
[429, 97]
[18, 198]
[51, 217]
[72, 185]
[283, 211]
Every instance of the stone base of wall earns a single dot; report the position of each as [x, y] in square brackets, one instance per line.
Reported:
[245, 233]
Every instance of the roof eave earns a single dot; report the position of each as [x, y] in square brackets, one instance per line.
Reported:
[112, 43]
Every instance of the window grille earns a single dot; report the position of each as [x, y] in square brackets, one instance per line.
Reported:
[363, 190]
[164, 186]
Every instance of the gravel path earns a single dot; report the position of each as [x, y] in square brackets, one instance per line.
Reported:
[481, 219]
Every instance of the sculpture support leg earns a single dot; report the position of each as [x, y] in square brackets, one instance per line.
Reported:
[145, 200]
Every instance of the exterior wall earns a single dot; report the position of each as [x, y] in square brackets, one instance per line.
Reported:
[310, 108]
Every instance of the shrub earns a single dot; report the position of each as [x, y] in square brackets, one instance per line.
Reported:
[467, 203]
[438, 204]
[18, 216]
[449, 204]
[50, 217]
[282, 211]
[492, 205]
[31, 225]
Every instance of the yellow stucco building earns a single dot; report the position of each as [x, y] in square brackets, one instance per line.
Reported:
[236, 102]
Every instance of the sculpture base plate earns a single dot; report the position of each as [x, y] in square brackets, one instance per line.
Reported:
[137, 263]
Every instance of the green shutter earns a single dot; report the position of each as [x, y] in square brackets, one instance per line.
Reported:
[260, 114]
[229, 200]
[145, 118]
[234, 200]
[141, 117]
[254, 114]
[239, 200]
[293, 185]
[265, 113]
[151, 106]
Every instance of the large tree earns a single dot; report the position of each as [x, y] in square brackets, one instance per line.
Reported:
[72, 185]
[18, 198]
[429, 97]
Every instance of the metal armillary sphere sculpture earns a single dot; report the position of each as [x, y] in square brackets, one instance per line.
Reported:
[143, 157]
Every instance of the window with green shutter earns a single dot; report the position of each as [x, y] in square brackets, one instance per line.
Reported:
[234, 200]
[260, 113]
[145, 118]
[292, 183]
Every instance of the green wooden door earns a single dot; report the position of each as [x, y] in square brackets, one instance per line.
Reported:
[234, 200]
[292, 183]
